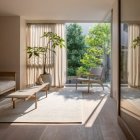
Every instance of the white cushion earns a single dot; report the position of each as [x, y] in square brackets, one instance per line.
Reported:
[6, 84]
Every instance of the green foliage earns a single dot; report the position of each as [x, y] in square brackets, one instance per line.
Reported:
[136, 42]
[35, 51]
[53, 41]
[99, 36]
[75, 47]
[98, 41]
[53, 38]
[82, 71]
[93, 57]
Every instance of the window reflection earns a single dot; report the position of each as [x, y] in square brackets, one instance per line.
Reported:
[130, 76]
[130, 68]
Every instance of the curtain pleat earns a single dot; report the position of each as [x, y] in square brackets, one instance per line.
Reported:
[60, 65]
[56, 63]
[133, 57]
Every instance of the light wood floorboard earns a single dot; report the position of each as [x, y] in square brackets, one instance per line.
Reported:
[105, 127]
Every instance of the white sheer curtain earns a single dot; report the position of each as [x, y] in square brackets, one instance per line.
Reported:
[133, 57]
[56, 63]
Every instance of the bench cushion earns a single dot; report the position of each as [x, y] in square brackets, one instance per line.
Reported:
[6, 84]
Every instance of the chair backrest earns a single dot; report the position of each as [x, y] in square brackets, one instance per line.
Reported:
[97, 72]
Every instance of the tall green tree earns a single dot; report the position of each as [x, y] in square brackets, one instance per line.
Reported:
[100, 36]
[98, 41]
[75, 47]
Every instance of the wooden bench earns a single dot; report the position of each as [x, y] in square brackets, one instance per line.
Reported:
[28, 93]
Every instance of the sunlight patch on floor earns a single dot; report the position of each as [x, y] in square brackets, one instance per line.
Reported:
[95, 114]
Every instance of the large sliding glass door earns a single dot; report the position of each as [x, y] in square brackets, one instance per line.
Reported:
[130, 65]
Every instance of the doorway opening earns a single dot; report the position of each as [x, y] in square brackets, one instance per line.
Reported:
[88, 46]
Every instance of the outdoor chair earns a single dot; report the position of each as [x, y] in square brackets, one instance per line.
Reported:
[95, 76]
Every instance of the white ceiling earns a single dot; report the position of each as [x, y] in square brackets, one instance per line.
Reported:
[84, 10]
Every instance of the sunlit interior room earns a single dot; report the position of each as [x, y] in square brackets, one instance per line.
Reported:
[69, 70]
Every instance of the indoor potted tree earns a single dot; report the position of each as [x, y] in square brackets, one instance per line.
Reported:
[53, 41]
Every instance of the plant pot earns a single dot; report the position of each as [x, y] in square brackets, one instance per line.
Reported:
[46, 78]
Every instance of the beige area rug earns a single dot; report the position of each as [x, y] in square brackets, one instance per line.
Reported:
[64, 106]
[91, 101]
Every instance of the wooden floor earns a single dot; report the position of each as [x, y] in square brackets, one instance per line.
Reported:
[105, 127]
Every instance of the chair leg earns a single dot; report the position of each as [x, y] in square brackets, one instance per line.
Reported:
[14, 103]
[102, 86]
[76, 85]
[88, 87]
[35, 100]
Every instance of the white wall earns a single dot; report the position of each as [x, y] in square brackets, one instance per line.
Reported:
[115, 46]
[12, 47]
[22, 52]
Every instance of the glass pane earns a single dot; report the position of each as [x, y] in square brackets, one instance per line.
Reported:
[130, 65]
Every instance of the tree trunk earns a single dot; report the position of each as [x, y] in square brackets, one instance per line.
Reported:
[44, 65]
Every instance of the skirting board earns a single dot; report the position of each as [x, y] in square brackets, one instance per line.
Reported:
[129, 134]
